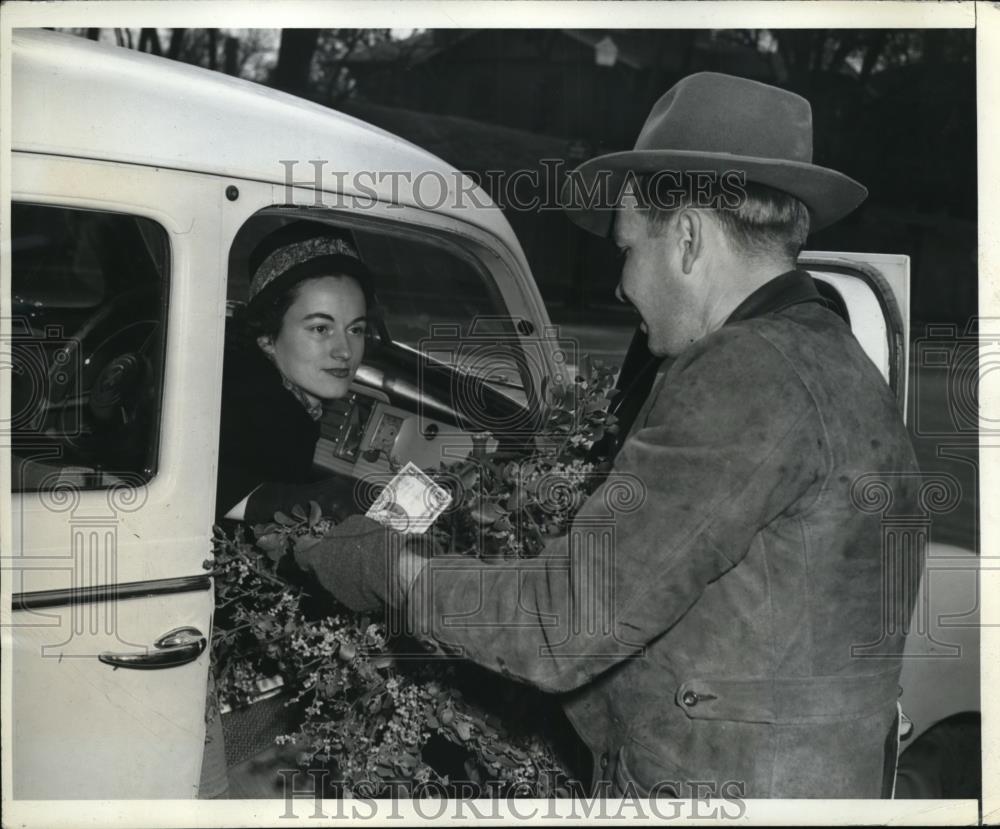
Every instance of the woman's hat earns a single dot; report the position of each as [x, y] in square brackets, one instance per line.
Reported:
[715, 123]
[293, 246]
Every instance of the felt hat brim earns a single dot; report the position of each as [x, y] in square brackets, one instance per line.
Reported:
[828, 194]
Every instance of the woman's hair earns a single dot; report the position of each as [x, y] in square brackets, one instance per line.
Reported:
[286, 259]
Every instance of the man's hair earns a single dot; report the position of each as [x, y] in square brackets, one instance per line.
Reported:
[758, 220]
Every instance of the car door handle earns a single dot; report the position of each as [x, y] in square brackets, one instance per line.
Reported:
[176, 647]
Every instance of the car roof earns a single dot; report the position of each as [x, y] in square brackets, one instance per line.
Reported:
[75, 97]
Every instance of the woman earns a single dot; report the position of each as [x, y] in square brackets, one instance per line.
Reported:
[299, 341]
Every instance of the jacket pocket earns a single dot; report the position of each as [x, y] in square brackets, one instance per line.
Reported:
[640, 772]
[788, 700]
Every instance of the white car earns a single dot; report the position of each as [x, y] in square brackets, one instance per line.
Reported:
[138, 185]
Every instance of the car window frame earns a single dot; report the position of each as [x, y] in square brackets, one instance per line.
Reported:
[114, 479]
[486, 253]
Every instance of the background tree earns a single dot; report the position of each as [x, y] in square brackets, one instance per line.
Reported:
[294, 61]
[895, 109]
[149, 41]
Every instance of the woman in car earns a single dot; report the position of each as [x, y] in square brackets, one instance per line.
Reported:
[297, 342]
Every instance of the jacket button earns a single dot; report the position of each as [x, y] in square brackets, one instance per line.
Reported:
[690, 698]
[604, 761]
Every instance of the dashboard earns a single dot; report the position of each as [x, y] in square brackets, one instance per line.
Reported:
[359, 432]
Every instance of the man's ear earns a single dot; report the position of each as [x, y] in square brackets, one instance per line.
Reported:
[266, 344]
[690, 238]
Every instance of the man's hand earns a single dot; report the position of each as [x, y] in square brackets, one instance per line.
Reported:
[336, 495]
[363, 564]
[356, 529]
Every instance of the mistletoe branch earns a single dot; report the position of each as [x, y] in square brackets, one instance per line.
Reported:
[370, 716]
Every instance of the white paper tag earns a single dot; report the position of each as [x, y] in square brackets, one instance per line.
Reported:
[410, 502]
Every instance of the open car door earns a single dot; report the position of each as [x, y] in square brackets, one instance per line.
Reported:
[872, 292]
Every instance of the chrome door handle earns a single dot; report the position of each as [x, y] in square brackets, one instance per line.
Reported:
[176, 647]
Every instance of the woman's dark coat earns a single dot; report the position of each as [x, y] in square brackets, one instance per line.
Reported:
[266, 434]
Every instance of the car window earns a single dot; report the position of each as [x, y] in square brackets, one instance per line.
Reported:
[86, 355]
[431, 298]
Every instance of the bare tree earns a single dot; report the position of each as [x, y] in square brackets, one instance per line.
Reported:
[231, 49]
[149, 41]
[872, 53]
[333, 52]
[294, 60]
[213, 44]
[176, 43]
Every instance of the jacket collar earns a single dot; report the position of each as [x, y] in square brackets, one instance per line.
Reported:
[790, 288]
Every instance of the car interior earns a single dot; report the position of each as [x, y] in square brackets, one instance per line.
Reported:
[89, 291]
[443, 361]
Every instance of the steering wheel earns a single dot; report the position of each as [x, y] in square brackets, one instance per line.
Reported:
[102, 388]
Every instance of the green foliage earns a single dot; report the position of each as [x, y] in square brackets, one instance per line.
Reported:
[509, 506]
[371, 711]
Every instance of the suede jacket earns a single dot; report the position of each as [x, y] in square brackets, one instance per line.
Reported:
[728, 609]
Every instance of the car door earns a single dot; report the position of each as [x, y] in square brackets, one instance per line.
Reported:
[113, 370]
[872, 291]
[464, 344]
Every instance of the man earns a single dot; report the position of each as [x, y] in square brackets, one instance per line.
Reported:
[716, 616]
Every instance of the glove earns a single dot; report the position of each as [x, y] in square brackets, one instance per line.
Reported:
[354, 562]
[337, 496]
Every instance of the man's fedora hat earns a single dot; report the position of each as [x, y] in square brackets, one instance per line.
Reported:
[718, 123]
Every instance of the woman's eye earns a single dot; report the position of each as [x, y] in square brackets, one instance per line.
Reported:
[320, 329]
[357, 330]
